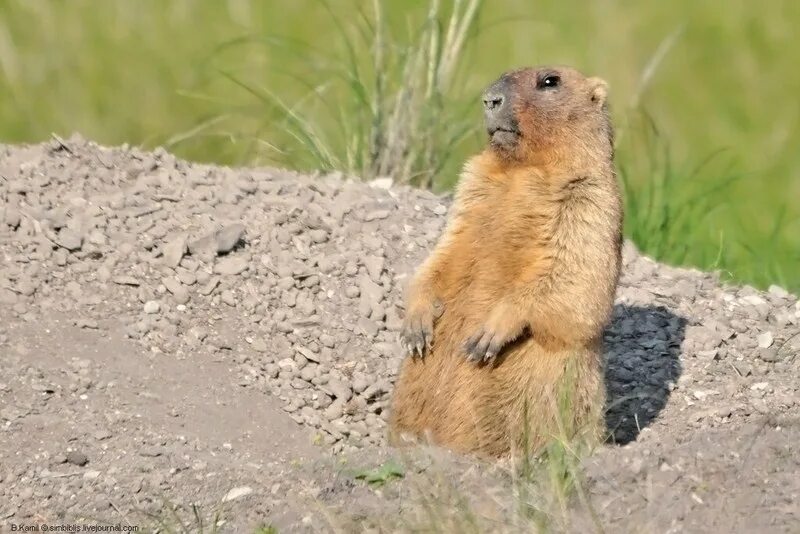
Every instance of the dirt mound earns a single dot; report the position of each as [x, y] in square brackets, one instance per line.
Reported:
[174, 333]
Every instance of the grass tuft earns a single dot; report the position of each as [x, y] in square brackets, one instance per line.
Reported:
[667, 210]
[381, 475]
[387, 100]
[173, 519]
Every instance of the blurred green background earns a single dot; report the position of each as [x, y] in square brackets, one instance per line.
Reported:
[704, 93]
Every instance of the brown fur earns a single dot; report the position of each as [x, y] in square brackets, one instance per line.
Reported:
[530, 256]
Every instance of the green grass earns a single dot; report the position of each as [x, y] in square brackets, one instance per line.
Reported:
[378, 476]
[704, 96]
[389, 116]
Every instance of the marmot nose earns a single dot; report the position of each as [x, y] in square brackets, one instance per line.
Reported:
[493, 101]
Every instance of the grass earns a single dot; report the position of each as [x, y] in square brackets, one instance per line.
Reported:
[705, 103]
[192, 518]
[382, 474]
[389, 116]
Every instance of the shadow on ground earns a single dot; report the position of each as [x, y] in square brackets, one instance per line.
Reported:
[642, 351]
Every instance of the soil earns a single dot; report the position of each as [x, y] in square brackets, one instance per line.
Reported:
[185, 346]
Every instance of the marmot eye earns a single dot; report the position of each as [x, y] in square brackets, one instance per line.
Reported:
[549, 82]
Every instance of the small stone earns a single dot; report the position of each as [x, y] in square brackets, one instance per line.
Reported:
[637, 465]
[375, 266]
[308, 353]
[753, 300]
[231, 265]
[125, 281]
[209, 286]
[100, 435]
[376, 215]
[198, 332]
[351, 269]
[778, 291]
[103, 274]
[69, 240]
[204, 248]
[228, 298]
[237, 493]
[90, 324]
[769, 354]
[152, 451]
[77, 458]
[318, 236]
[371, 391]
[377, 313]
[327, 340]
[229, 237]
[285, 327]
[152, 307]
[308, 373]
[371, 294]
[177, 289]
[7, 297]
[286, 363]
[91, 475]
[335, 410]
[440, 209]
[259, 345]
[13, 217]
[360, 385]
[289, 298]
[26, 287]
[96, 237]
[340, 390]
[247, 185]
[60, 257]
[352, 292]
[368, 326]
[765, 340]
[708, 354]
[174, 250]
[381, 183]
[186, 277]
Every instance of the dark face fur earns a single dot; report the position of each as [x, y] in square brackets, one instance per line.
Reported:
[531, 110]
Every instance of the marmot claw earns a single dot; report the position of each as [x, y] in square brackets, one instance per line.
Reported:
[416, 337]
[484, 346]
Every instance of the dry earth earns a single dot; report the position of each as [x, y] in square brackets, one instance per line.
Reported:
[175, 334]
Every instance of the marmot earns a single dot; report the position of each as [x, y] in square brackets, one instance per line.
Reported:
[504, 319]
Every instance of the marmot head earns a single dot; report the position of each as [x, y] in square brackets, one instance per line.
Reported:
[531, 112]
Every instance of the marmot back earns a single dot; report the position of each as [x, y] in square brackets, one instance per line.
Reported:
[504, 319]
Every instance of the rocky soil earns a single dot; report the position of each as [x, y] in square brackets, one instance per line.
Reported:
[175, 334]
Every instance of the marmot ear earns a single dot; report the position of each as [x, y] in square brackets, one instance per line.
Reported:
[599, 91]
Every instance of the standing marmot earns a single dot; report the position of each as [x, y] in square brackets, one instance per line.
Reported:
[504, 320]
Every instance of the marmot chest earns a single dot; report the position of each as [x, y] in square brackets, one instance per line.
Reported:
[502, 237]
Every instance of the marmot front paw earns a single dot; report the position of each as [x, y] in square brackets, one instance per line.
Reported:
[416, 337]
[503, 326]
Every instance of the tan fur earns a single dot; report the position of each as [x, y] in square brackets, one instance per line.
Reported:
[531, 255]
